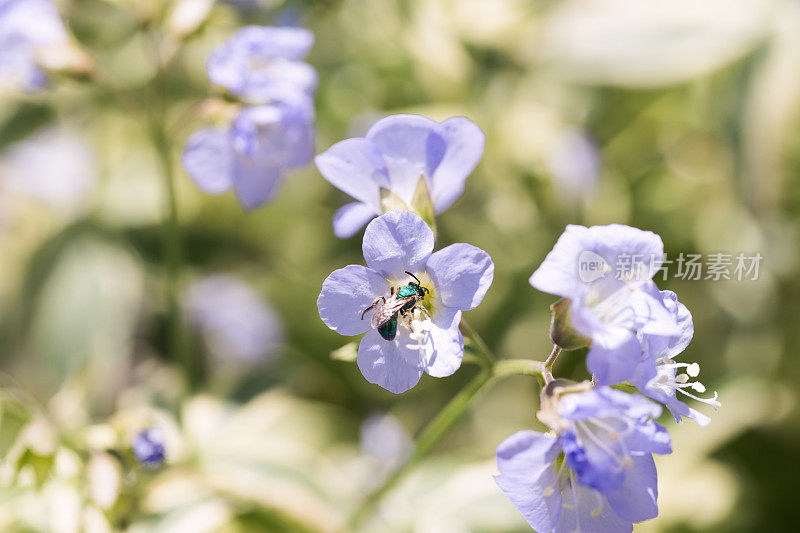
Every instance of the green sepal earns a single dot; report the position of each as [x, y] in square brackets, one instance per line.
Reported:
[561, 333]
[347, 353]
[625, 387]
[390, 201]
[421, 203]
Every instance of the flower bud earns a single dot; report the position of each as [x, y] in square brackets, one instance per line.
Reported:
[561, 333]
[148, 447]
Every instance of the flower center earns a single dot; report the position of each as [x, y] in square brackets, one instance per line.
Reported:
[420, 326]
[613, 308]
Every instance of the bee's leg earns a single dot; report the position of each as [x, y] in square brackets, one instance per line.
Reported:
[424, 312]
[374, 303]
[406, 315]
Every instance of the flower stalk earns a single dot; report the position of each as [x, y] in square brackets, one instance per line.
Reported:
[482, 350]
[173, 257]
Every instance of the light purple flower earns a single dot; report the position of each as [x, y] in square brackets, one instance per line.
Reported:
[574, 164]
[54, 166]
[254, 155]
[262, 64]
[234, 320]
[395, 153]
[606, 272]
[657, 374]
[27, 27]
[457, 277]
[384, 439]
[596, 473]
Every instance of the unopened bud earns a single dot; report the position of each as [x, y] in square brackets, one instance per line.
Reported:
[561, 333]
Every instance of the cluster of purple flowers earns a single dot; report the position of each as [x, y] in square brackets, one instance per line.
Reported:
[273, 132]
[594, 470]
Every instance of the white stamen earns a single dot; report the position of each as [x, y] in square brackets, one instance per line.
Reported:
[671, 383]
[709, 401]
[419, 333]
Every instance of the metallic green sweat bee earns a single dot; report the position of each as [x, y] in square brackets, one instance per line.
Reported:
[400, 304]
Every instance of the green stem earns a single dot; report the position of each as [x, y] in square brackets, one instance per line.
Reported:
[433, 433]
[547, 374]
[552, 357]
[482, 349]
[178, 348]
[173, 257]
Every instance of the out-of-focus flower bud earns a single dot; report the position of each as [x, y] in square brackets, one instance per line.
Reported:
[148, 447]
[186, 16]
[69, 59]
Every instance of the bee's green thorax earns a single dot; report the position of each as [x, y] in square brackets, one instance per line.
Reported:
[412, 289]
[408, 291]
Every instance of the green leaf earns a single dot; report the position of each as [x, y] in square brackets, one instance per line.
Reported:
[41, 465]
[27, 118]
[13, 417]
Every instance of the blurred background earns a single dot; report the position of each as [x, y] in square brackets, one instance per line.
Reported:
[680, 117]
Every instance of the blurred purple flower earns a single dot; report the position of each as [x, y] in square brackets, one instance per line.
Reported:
[383, 438]
[574, 164]
[235, 322]
[457, 276]
[254, 155]
[262, 64]
[596, 474]
[26, 28]
[656, 375]
[148, 447]
[393, 155]
[53, 166]
[606, 272]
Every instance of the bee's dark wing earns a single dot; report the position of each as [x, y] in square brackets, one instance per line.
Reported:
[388, 310]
